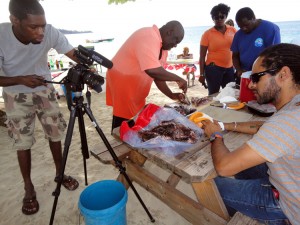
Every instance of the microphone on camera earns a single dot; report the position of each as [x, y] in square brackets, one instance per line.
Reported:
[94, 56]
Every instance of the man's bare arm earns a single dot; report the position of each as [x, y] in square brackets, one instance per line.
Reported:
[250, 127]
[31, 81]
[228, 163]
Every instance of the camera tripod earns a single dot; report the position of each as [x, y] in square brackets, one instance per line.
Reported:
[78, 108]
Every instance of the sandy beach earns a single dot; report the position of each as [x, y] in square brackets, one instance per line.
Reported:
[43, 172]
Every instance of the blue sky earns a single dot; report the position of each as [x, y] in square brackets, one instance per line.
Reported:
[98, 15]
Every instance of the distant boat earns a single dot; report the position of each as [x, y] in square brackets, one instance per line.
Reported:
[99, 40]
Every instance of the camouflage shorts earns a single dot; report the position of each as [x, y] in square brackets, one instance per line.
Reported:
[21, 109]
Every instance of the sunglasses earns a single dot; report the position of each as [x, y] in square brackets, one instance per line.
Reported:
[256, 76]
[219, 17]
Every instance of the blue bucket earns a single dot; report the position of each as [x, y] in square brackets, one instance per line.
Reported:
[65, 91]
[104, 203]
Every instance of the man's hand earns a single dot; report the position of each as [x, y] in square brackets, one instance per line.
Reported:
[182, 98]
[239, 72]
[202, 81]
[182, 84]
[210, 127]
[32, 81]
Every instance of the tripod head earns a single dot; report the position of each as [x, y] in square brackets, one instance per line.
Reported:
[82, 74]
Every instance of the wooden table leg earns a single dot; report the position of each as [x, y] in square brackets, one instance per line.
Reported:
[137, 158]
[190, 209]
[208, 195]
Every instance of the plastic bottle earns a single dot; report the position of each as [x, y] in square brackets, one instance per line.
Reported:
[51, 64]
[57, 64]
[61, 64]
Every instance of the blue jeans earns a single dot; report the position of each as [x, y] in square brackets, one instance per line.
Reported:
[251, 194]
[217, 77]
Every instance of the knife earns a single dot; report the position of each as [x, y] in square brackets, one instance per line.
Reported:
[225, 104]
[186, 99]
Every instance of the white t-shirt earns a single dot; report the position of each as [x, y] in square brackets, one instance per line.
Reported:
[17, 59]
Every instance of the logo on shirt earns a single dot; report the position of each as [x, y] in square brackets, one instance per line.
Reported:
[258, 42]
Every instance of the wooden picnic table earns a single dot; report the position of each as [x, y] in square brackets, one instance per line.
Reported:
[194, 166]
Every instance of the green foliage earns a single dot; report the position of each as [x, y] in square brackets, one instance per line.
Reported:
[119, 1]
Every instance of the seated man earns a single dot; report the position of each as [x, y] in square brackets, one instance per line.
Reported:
[266, 168]
[190, 68]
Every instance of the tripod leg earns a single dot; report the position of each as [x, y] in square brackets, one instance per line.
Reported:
[115, 158]
[84, 145]
[68, 139]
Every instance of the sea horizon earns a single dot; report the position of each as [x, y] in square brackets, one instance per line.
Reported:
[289, 30]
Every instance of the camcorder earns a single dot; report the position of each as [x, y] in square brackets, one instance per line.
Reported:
[82, 74]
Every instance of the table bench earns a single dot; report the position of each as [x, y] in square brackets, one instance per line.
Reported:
[193, 166]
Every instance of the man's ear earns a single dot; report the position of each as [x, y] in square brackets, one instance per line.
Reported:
[286, 73]
[170, 32]
[14, 20]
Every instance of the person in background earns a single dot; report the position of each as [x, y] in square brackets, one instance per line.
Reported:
[266, 168]
[215, 56]
[229, 22]
[189, 68]
[137, 64]
[254, 36]
[24, 44]
[185, 54]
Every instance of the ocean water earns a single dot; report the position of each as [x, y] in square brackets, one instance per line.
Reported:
[289, 31]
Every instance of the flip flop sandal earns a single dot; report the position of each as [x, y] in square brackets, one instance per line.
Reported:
[30, 206]
[68, 182]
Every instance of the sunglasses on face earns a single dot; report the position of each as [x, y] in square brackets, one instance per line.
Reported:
[256, 76]
[219, 17]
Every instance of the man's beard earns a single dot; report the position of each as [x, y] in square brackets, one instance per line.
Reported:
[271, 94]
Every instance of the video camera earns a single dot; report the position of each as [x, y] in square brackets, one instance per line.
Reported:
[82, 74]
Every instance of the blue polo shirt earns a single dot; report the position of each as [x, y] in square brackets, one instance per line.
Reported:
[250, 45]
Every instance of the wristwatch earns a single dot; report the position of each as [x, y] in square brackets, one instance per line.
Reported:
[215, 135]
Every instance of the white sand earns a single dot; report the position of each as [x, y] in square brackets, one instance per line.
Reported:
[67, 212]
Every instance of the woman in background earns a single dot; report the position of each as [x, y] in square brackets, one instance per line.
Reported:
[230, 22]
[215, 44]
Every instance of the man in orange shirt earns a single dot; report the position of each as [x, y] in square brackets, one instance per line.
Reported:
[137, 64]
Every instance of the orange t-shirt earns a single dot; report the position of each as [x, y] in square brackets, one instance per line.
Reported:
[127, 84]
[218, 46]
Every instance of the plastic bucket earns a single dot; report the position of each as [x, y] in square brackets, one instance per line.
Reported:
[104, 203]
[246, 94]
[65, 91]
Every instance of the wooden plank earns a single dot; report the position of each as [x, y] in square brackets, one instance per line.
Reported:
[226, 115]
[173, 180]
[137, 158]
[209, 196]
[197, 167]
[98, 148]
[233, 140]
[182, 204]
[240, 219]
[121, 150]
[167, 161]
